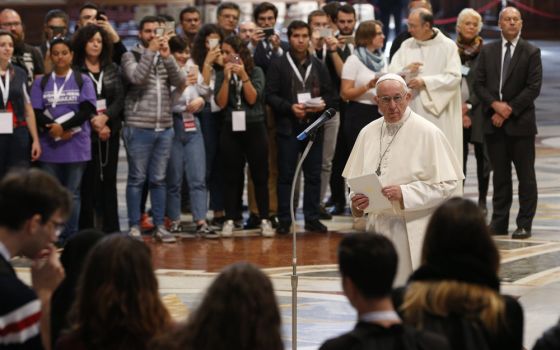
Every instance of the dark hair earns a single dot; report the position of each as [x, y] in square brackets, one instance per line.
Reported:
[7, 33]
[241, 305]
[241, 48]
[458, 228]
[199, 50]
[331, 9]
[178, 44]
[316, 13]
[89, 5]
[366, 32]
[117, 300]
[228, 5]
[188, 9]
[425, 16]
[80, 40]
[297, 24]
[264, 7]
[148, 19]
[27, 192]
[61, 40]
[348, 9]
[369, 260]
[56, 13]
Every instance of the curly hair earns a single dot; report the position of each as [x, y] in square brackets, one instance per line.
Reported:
[83, 36]
[241, 48]
[199, 49]
[240, 306]
[118, 304]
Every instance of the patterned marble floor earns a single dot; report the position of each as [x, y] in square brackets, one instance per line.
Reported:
[530, 269]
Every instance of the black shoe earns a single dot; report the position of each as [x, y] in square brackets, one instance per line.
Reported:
[323, 214]
[218, 222]
[315, 226]
[521, 233]
[274, 221]
[252, 222]
[338, 209]
[283, 227]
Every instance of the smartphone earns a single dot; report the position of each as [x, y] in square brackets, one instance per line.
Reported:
[234, 58]
[325, 32]
[101, 16]
[57, 31]
[348, 39]
[268, 32]
[212, 43]
[170, 27]
[159, 31]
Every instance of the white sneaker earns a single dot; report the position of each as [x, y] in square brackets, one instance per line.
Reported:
[176, 227]
[135, 233]
[162, 235]
[266, 228]
[227, 229]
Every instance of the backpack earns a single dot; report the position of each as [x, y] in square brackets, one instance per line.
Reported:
[77, 76]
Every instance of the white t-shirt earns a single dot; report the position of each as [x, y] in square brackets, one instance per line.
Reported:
[355, 70]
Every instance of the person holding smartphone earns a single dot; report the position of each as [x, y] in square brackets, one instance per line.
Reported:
[240, 93]
[270, 45]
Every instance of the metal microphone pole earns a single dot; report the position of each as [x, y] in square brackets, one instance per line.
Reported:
[294, 276]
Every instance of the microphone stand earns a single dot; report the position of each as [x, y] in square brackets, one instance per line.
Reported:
[294, 277]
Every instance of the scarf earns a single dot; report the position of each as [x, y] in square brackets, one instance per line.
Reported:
[468, 50]
[374, 61]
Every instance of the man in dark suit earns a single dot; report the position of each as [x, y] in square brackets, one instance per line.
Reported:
[269, 44]
[508, 81]
[368, 263]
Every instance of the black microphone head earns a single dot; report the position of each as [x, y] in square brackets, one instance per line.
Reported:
[330, 113]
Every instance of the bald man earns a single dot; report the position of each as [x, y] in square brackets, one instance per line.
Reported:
[415, 165]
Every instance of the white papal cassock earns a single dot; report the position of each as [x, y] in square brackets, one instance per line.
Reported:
[419, 159]
[440, 100]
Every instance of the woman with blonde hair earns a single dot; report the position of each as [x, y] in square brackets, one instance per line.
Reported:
[455, 291]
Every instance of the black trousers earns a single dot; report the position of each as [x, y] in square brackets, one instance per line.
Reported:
[358, 115]
[237, 148]
[99, 207]
[338, 195]
[14, 150]
[504, 150]
[483, 167]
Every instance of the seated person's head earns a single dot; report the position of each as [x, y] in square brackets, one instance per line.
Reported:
[117, 300]
[368, 264]
[239, 311]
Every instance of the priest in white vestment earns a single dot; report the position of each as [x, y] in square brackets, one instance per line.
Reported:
[415, 164]
[432, 68]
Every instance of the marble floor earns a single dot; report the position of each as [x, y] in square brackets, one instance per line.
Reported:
[530, 269]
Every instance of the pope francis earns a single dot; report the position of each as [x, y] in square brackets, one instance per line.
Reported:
[416, 166]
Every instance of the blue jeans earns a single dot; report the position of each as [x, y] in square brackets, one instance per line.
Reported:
[210, 124]
[289, 149]
[187, 157]
[70, 176]
[147, 153]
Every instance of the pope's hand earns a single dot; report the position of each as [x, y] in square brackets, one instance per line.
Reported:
[393, 193]
[360, 201]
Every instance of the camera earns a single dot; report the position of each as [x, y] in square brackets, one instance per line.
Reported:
[268, 32]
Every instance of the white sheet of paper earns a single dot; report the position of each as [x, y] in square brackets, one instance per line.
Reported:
[370, 186]
[6, 123]
[238, 121]
[64, 118]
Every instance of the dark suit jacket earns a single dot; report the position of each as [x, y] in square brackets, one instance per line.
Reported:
[280, 94]
[522, 85]
[262, 59]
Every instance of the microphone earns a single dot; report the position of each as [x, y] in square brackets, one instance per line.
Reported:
[328, 114]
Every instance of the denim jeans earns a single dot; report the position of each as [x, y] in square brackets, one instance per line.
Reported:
[289, 149]
[147, 153]
[187, 157]
[211, 125]
[70, 176]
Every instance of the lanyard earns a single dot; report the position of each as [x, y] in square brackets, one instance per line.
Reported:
[238, 88]
[377, 316]
[57, 92]
[324, 53]
[98, 83]
[296, 71]
[5, 89]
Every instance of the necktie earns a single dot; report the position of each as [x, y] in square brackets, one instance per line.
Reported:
[507, 60]
[346, 52]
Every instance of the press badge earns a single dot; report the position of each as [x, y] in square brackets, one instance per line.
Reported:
[465, 70]
[303, 97]
[101, 105]
[6, 122]
[238, 122]
[189, 123]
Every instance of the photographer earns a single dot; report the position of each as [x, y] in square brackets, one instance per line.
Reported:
[240, 89]
[269, 43]
[151, 70]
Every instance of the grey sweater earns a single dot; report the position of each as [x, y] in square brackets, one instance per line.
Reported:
[148, 100]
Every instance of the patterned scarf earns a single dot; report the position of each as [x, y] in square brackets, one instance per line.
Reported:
[374, 61]
[468, 50]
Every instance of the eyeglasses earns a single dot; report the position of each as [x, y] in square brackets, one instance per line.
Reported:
[10, 24]
[58, 227]
[386, 100]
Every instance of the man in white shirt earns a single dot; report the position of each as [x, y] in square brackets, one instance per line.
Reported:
[414, 162]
